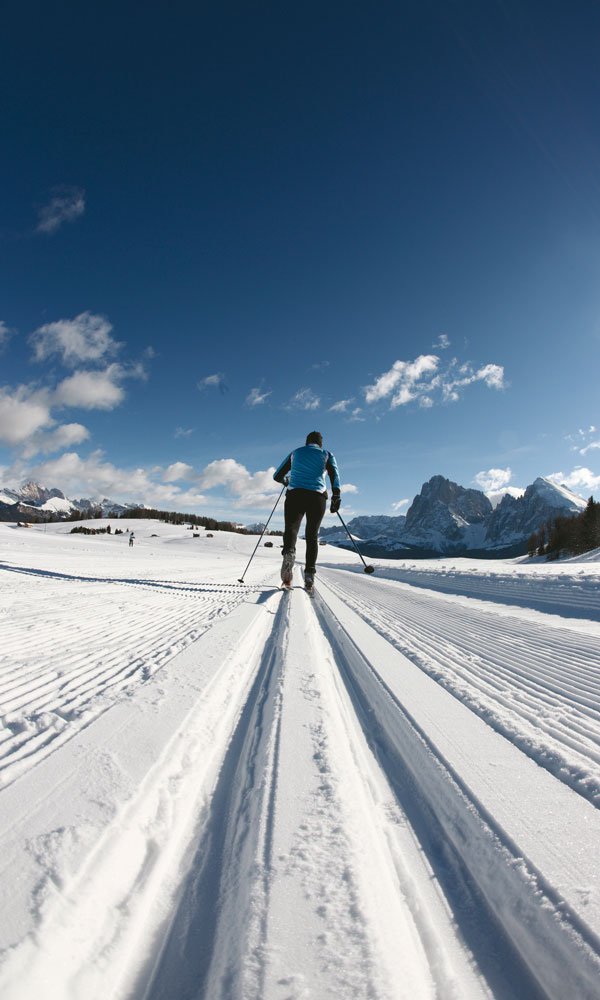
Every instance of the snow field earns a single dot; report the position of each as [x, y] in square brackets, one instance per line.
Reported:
[99, 919]
[509, 822]
[570, 588]
[533, 678]
[385, 792]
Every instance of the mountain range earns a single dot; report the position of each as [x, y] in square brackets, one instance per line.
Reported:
[443, 519]
[33, 500]
[448, 519]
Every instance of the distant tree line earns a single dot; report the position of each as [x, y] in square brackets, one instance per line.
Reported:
[568, 535]
[174, 517]
[82, 530]
[86, 514]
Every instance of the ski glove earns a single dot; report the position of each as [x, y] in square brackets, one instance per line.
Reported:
[336, 501]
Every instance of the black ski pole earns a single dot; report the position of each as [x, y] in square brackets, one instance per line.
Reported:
[368, 569]
[241, 578]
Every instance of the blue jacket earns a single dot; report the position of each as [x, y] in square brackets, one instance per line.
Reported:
[307, 467]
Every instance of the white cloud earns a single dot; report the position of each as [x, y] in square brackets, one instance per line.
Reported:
[349, 488]
[579, 479]
[95, 477]
[580, 441]
[356, 414]
[67, 204]
[181, 432]
[401, 379]
[92, 390]
[178, 470]
[304, 399]
[399, 504]
[86, 338]
[443, 342]
[248, 489]
[341, 406]
[5, 334]
[493, 479]
[256, 396]
[422, 380]
[64, 436]
[23, 412]
[492, 375]
[216, 381]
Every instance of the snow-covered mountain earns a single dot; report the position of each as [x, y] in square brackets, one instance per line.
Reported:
[32, 499]
[380, 529]
[447, 518]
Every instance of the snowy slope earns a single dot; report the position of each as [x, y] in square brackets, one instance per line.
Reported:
[216, 790]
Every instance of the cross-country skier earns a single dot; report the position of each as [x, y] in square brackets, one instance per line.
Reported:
[303, 472]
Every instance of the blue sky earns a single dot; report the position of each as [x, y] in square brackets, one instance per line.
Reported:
[223, 228]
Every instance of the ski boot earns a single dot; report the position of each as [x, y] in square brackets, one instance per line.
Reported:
[287, 569]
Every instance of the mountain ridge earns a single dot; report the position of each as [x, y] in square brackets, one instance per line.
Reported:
[443, 519]
[448, 519]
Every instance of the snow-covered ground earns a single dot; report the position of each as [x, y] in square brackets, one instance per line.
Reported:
[216, 790]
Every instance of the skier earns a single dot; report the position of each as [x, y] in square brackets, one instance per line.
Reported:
[131, 537]
[303, 472]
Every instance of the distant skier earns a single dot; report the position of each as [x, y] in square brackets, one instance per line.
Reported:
[131, 537]
[303, 472]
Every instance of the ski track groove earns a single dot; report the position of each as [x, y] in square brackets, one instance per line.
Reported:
[311, 823]
[60, 666]
[568, 597]
[524, 677]
[281, 859]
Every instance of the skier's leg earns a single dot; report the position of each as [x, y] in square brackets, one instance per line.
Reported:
[293, 512]
[315, 511]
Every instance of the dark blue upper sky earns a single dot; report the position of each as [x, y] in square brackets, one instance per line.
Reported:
[293, 200]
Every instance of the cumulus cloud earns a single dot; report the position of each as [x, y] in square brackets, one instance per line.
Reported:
[257, 396]
[216, 381]
[493, 479]
[403, 380]
[350, 488]
[304, 399]
[399, 505]
[580, 480]
[23, 412]
[47, 442]
[66, 205]
[81, 340]
[178, 470]
[247, 489]
[424, 380]
[92, 390]
[94, 476]
[443, 342]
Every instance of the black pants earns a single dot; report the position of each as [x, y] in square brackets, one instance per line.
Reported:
[297, 504]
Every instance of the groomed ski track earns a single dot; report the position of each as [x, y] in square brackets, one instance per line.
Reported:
[336, 804]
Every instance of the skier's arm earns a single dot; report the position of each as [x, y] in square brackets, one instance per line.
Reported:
[333, 473]
[280, 473]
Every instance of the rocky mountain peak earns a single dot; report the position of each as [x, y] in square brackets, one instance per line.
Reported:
[447, 507]
[37, 495]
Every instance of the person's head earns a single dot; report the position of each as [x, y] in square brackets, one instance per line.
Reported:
[315, 437]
